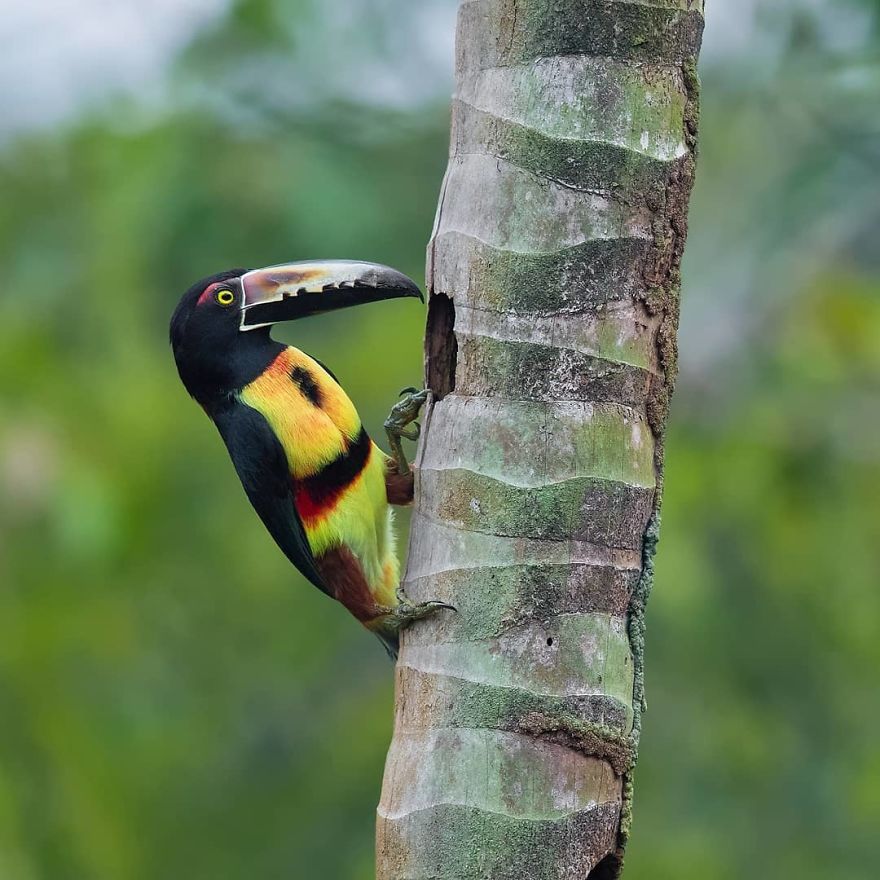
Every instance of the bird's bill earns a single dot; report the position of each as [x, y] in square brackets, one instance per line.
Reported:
[296, 290]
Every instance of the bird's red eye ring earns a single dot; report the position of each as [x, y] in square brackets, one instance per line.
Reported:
[225, 297]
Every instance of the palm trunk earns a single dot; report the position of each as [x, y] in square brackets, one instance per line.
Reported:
[551, 352]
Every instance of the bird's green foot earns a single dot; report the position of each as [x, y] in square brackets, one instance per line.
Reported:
[403, 414]
[390, 622]
[407, 612]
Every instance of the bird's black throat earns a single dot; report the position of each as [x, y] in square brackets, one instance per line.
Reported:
[213, 370]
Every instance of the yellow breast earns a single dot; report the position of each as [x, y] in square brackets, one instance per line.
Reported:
[311, 416]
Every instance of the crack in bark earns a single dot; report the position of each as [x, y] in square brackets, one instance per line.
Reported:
[441, 346]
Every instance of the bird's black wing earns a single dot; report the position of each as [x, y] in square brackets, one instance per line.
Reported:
[263, 470]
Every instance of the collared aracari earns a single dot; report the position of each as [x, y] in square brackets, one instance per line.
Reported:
[318, 482]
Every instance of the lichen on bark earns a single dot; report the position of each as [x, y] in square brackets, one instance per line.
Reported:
[554, 272]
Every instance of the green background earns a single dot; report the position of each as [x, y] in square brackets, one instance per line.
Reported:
[175, 702]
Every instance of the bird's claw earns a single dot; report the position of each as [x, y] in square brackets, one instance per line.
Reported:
[408, 612]
[413, 434]
[406, 410]
[403, 414]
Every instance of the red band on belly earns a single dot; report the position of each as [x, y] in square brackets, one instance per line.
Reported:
[311, 505]
[317, 495]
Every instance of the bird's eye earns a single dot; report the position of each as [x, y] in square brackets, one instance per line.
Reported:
[225, 297]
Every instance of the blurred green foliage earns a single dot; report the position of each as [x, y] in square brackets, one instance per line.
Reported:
[175, 702]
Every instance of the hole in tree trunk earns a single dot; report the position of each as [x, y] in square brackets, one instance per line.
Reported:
[441, 346]
[607, 869]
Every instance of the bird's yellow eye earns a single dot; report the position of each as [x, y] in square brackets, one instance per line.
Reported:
[225, 297]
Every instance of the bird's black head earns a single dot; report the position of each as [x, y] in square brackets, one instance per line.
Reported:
[220, 328]
[204, 335]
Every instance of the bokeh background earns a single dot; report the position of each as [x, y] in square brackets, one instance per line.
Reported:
[174, 701]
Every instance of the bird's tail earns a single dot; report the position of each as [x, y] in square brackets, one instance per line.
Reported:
[391, 642]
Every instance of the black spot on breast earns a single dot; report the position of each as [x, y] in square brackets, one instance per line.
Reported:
[307, 384]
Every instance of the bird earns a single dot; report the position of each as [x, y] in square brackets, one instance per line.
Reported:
[322, 488]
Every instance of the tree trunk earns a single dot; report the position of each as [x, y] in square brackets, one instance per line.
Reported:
[554, 288]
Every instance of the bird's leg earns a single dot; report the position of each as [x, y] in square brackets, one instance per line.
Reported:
[403, 414]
